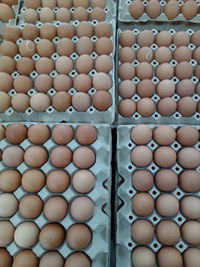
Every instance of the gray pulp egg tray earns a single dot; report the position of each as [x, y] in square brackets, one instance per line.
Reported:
[125, 16]
[156, 117]
[125, 216]
[100, 222]
[70, 115]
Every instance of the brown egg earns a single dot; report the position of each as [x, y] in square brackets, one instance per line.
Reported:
[143, 256]
[181, 39]
[63, 15]
[144, 70]
[83, 3]
[44, 65]
[126, 89]
[172, 9]
[61, 101]
[12, 33]
[126, 54]
[82, 209]
[51, 236]
[187, 106]
[85, 29]
[194, 39]
[51, 259]
[5, 258]
[20, 102]
[2, 132]
[33, 181]
[127, 107]
[55, 208]
[189, 181]
[169, 256]
[79, 236]
[191, 257]
[84, 46]
[164, 135]
[185, 88]
[84, 64]
[165, 88]
[165, 71]
[145, 88]
[48, 31]
[146, 107]
[65, 30]
[58, 181]
[102, 81]
[142, 180]
[78, 259]
[81, 101]
[142, 232]
[190, 232]
[6, 82]
[26, 234]
[35, 156]
[183, 133]
[141, 134]
[127, 38]
[46, 15]
[10, 180]
[64, 65]
[103, 29]
[7, 233]
[196, 55]
[13, 156]
[153, 9]
[25, 257]
[189, 158]
[6, 13]
[45, 48]
[142, 204]
[61, 156]
[22, 84]
[83, 181]
[197, 71]
[141, 156]
[43, 83]
[163, 38]
[183, 70]
[30, 206]
[189, 207]
[16, 133]
[8, 48]
[165, 157]
[31, 16]
[40, 102]
[98, 14]
[25, 66]
[189, 9]
[182, 53]
[5, 101]
[8, 205]
[62, 83]
[27, 48]
[145, 38]
[81, 14]
[65, 47]
[104, 46]
[167, 205]
[102, 100]
[38, 134]
[163, 55]
[62, 134]
[98, 3]
[168, 232]
[31, 4]
[166, 180]
[86, 134]
[82, 83]
[167, 106]
[7, 64]
[84, 157]
[49, 3]
[126, 71]
[30, 32]
[136, 9]
[145, 54]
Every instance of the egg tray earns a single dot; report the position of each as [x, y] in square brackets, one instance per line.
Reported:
[100, 222]
[125, 216]
[110, 11]
[156, 117]
[70, 115]
[125, 16]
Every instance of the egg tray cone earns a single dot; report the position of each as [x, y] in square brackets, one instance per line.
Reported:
[125, 216]
[125, 16]
[100, 222]
[156, 117]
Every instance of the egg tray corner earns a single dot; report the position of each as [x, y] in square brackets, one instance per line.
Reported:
[101, 194]
[156, 118]
[125, 216]
[125, 16]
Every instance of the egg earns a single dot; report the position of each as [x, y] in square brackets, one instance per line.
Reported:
[16, 133]
[38, 134]
[2, 132]
[35, 156]
[84, 64]
[51, 259]
[166, 180]
[83, 181]
[6, 13]
[195, 38]
[183, 70]
[79, 236]
[163, 55]
[82, 83]
[153, 9]
[84, 46]
[40, 102]
[30, 206]
[142, 232]
[98, 3]
[63, 15]
[62, 82]
[27, 48]
[191, 257]
[183, 133]
[182, 53]
[65, 47]
[189, 9]
[103, 29]
[25, 257]
[43, 83]
[65, 30]
[45, 48]
[78, 259]
[64, 65]
[189, 158]
[189, 181]
[181, 38]
[10, 180]
[146, 107]
[85, 29]
[104, 46]
[165, 71]
[185, 88]
[30, 4]
[7, 64]
[142, 204]
[136, 9]
[169, 256]
[48, 31]
[62, 134]
[13, 156]
[82, 209]
[187, 106]
[164, 135]
[144, 71]
[165, 157]
[145, 88]
[196, 55]
[84, 157]
[165, 88]
[143, 257]
[22, 84]
[163, 38]
[25, 66]
[81, 101]
[145, 38]
[141, 134]
[190, 232]
[63, 3]
[167, 106]
[126, 54]
[31, 16]
[49, 3]
[81, 14]
[46, 15]
[58, 181]
[61, 101]
[127, 107]
[145, 54]
[12, 33]
[127, 38]
[33, 181]
[172, 9]
[168, 232]
[189, 207]
[102, 81]
[7, 233]
[126, 89]
[83, 3]
[30, 32]
[8, 48]
[5, 258]
[98, 14]
[20, 102]
[55, 208]
[61, 156]
[8, 205]
[102, 100]
[167, 205]
[51, 236]
[142, 180]
[86, 134]
[126, 71]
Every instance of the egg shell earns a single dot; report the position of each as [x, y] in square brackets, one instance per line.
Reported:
[143, 256]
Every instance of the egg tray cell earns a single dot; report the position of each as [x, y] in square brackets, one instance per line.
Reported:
[125, 216]
[125, 16]
[70, 115]
[110, 12]
[156, 117]
[100, 222]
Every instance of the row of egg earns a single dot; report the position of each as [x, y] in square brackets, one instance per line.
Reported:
[171, 9]
[49, 259]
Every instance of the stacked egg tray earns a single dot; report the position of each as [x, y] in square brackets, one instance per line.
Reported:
[125, 16]
[156, 117]
[107, 12]
[125, 216]
[99, 224]
[51, 114]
